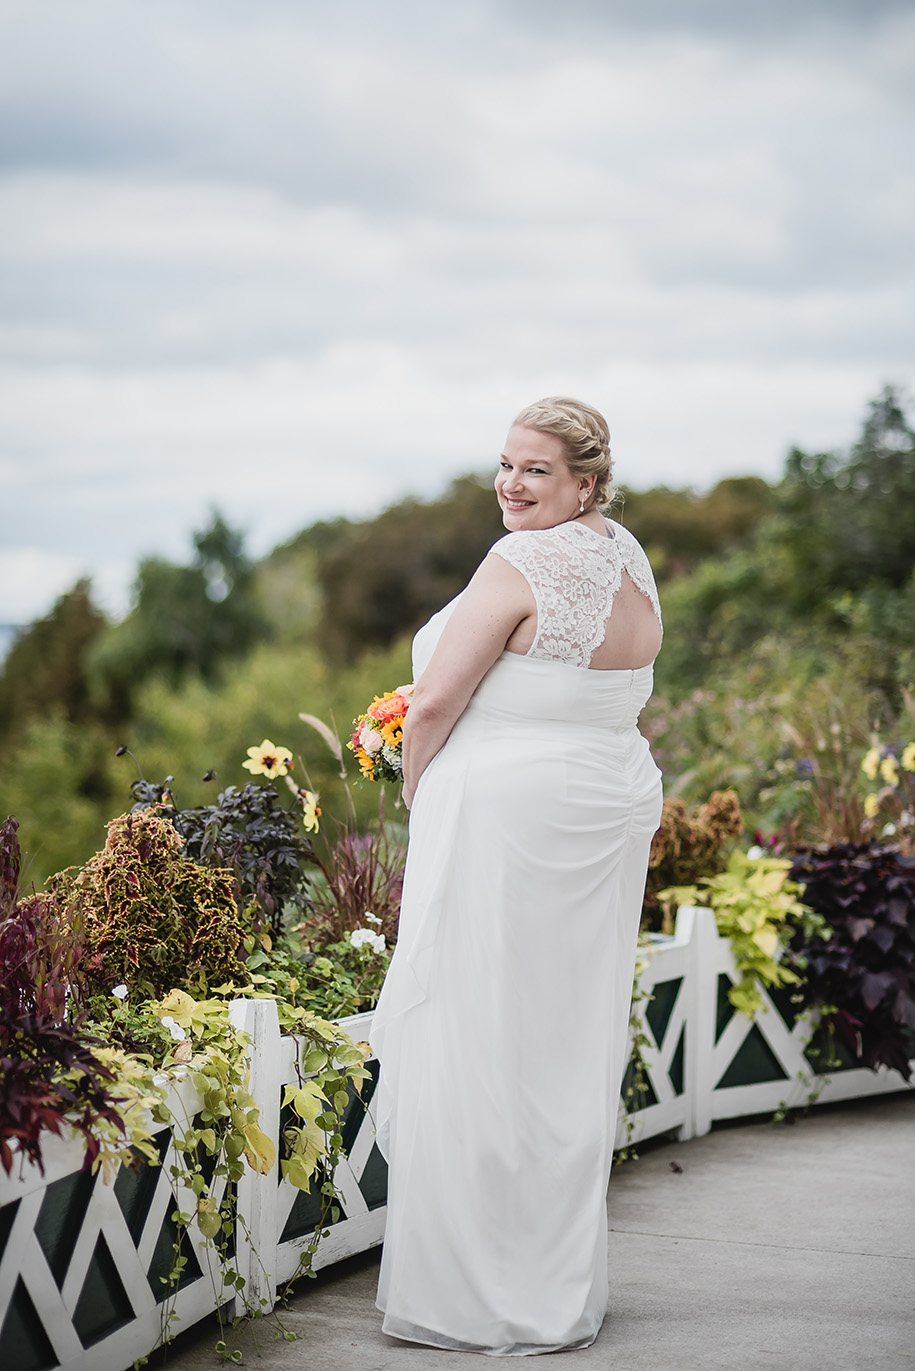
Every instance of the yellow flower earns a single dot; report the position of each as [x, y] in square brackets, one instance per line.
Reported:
[908, 757]
[871, 762]
[268, 760]
[366, 764]
[889, 770]
[311, 810]
[871, 805]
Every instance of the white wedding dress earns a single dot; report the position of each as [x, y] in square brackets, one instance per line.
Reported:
[502, 1025]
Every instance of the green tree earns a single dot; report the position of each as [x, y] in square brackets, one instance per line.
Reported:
[185, 619]
[848, 519]
[46, 667]
[384, 578]
[831, 557]
[63, 784]
[680, 528]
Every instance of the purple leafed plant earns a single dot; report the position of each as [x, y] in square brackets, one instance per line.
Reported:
[48, 1077]
[867, 968]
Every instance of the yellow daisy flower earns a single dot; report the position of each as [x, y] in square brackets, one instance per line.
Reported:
[311, 810]
[908, 757]
[889, 771]
[871, 763]
[871, 805]
[268, 760]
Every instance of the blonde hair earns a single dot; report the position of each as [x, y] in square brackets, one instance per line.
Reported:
[584, 435]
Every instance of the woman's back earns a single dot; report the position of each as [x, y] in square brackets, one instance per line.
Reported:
[596, 601]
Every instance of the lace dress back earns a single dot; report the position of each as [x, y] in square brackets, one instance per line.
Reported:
[575, 574]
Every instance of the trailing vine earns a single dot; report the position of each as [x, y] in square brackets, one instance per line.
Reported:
[213, 1146]
[635, 1080]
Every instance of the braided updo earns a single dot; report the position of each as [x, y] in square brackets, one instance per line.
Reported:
[584, 435]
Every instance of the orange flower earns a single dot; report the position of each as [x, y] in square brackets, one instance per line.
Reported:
[389, 706]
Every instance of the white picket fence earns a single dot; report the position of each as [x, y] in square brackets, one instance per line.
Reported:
[81, 1262]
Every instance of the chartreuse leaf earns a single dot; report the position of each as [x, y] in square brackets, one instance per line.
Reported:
[298, 1171]
[351, 1056]
[208, 1219]
[307, 1100]
[766, 939]
[260, 1152]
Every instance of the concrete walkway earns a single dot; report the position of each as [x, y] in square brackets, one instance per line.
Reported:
[764, 1245]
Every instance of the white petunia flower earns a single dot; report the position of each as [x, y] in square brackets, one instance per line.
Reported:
[175, 1029]
[755, 853]
[364, 937]
[120, 992]
[372, 918]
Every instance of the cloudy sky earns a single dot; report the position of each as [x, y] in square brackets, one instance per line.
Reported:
[295, 260]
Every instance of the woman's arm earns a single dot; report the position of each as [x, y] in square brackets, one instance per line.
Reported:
[494, 603]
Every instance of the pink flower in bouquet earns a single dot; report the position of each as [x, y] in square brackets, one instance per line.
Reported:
[377, 739]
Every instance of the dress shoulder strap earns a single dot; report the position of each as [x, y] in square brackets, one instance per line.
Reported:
[637, 564]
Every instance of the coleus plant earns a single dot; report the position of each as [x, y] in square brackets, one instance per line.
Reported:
[49, 1076]
[248, 832]
[866, 969]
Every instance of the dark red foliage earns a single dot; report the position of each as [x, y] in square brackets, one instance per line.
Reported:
[38, 1043]
[35, 1051]
[867, 968]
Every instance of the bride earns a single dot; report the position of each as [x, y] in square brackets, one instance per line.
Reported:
[501, 1028]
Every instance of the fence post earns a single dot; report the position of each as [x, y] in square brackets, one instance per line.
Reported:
[256, 1222]
[701, 1004]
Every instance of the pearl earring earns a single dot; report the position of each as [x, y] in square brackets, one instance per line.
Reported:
[581, 506]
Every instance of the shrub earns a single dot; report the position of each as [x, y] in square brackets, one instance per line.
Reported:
[250, 834]
[688, 846]
[757, 910]
[867, 968]
[48, 1076]
[153, 918]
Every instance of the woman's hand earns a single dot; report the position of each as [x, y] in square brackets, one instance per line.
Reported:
[489, 611]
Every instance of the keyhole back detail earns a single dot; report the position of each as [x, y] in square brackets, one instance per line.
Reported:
[597, 603]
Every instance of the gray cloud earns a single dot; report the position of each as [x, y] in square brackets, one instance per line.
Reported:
[776, 20]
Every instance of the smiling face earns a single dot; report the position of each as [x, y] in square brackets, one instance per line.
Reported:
[535, 487]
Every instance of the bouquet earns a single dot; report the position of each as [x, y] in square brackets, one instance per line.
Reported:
[377, 740]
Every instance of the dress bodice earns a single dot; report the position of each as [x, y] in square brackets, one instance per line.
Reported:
[575, 573]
